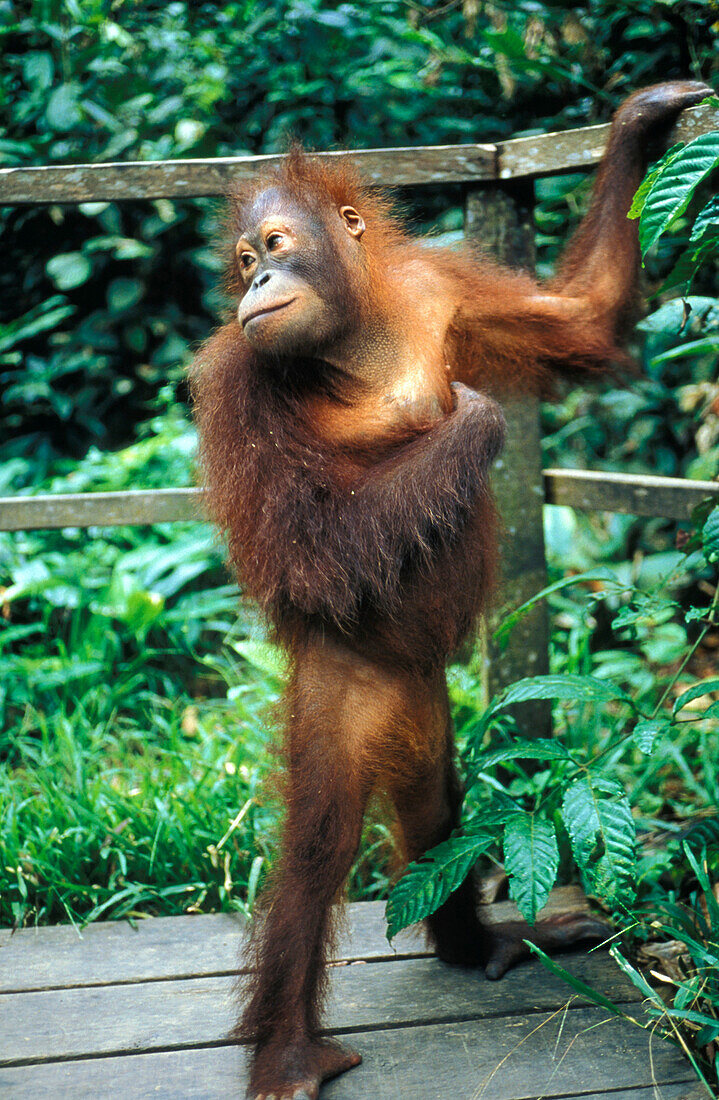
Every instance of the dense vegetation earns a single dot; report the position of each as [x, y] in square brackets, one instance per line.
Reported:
[134, 700]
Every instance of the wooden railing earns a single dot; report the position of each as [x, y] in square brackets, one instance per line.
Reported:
[498, 212]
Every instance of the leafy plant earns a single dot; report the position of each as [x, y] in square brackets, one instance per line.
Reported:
[580, 794]
[664, 196]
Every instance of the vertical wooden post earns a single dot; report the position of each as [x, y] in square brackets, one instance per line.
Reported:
[499, 218]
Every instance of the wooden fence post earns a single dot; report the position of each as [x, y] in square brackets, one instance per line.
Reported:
[499, 218]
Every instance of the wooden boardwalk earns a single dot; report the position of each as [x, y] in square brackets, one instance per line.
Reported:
[122, 1012]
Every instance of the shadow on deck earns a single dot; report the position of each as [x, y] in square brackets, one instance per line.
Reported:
[143, 1012]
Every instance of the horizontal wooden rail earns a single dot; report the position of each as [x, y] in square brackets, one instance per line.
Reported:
[131, 508]
[191, 178]
[633, 494]
[585, 490]
[542, 155]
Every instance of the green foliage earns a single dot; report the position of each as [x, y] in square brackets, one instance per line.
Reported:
[531, 860]
[426, 884]
[599, 821]
[581, 785]
[672, 185]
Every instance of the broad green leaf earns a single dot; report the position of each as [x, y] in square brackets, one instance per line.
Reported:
[707, 217]
[540, 749]
[601, 828]
[122, 294]
[710, 536]
[646, 732]
[263, 655]
[502, 632]
[648, 182]
[695, 692]
[671, 317]
[68, 270]
[674, 186]
[427, 884]
[531, 859]
[63, 110]
[38, 68]
[571, 687]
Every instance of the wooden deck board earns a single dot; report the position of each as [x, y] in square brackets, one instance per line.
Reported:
[114, 951]
[115, 1014]
[499, 1059]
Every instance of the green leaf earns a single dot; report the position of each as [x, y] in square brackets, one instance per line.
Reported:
[427, 884]
[68, 270]
[531, 859]
[695, 692]
[263, 655]
[571, 687]
[601, 828]
[671, 317]
[576, 984]
[700, 871]
[708, 345]
[122, 294]
[637, 979]
[646, 732]
[40, 318]
[539, 749]
[63, 110]
[674, 186]
[648, 182]
[691, 259]
[710, 536]
[708, 217]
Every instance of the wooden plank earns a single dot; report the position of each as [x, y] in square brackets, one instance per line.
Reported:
[586, 490]
[500, 220]
[635, 494]
[570, 1055]
[539, 155]
[191, 178]
[179, 947]
[129, 508]
[686, 1090]
[161, 1015]
[578, 150]
[199, 945]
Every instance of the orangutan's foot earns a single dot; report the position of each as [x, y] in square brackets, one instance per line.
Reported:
[296, 1072]
[507, 944]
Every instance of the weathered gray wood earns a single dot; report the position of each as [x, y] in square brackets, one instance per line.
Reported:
[635, 494]
[199, 945]
[577, 150]
[501, 221]
[586, 490]
[161, 1015]
[175, 947]
[132, 507]
[687, 1090]
[541, 155]
[190, 178]
[520, 1058]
